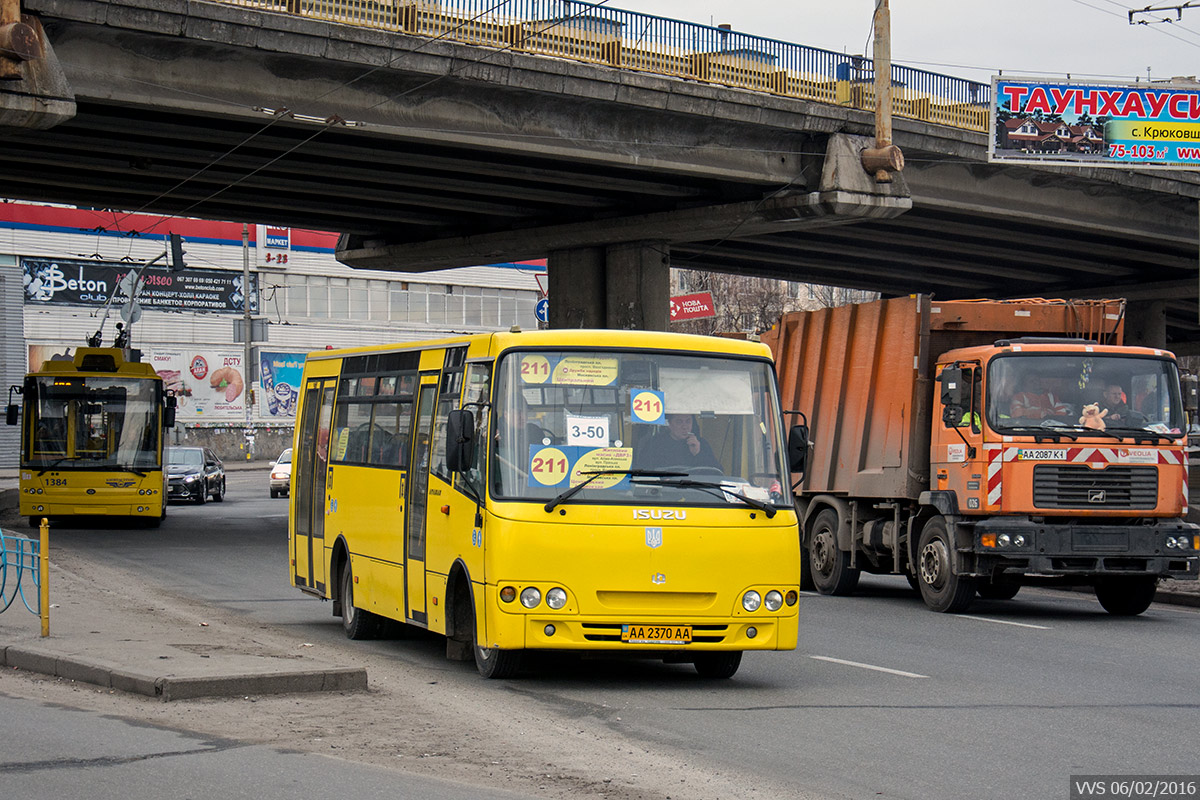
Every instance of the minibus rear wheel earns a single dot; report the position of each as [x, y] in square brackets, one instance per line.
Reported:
[357, 623]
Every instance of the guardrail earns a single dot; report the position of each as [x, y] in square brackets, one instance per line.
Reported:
[628, 40]
[25, 562]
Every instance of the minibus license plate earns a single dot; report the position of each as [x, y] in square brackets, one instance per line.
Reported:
[656, 634]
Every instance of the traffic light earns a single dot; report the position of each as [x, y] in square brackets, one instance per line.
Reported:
[177, 252]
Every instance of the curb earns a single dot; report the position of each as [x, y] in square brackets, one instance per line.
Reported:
[166, 688]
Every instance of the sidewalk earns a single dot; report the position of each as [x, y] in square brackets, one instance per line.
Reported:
[109, 630]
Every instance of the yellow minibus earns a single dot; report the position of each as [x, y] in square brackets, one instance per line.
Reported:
[616, 491]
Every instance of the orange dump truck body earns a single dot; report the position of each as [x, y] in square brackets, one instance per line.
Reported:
[903, 476]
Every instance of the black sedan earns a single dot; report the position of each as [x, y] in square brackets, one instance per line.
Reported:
[194, 473]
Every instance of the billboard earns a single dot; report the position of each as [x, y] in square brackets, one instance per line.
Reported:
[62, 281]
[208, 383]
[1126, 125]
[280, 375]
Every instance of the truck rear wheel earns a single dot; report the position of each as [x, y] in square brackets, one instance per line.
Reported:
[1126, 596]
[941, 589]
[828, 564]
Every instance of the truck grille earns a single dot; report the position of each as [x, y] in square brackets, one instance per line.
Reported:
[1117, 486]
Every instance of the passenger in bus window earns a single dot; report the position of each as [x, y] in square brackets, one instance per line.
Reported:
[679, 445]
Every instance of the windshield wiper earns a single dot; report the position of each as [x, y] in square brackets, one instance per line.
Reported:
[51, 466]
[1137, 434]
[1038, 432]
[131, 468]
[640, 473]
[720, 490]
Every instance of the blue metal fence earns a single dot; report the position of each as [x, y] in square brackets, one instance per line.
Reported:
[628, 40]
[18, 570]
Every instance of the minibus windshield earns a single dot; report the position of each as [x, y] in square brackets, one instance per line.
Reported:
[637, 427]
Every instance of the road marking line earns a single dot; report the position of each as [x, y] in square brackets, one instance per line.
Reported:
[1004, 622]
[899, 672]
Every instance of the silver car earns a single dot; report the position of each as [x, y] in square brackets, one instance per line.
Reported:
[281, 474]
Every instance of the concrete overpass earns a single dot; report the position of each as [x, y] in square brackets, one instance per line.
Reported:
[427, 154]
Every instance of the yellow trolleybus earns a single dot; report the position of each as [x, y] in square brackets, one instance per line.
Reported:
[619, 491]
[92, 436]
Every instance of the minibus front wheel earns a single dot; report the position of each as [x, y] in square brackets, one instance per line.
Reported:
[718, 665]
[493, 662]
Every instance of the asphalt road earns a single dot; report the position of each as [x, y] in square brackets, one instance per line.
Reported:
[883, 698]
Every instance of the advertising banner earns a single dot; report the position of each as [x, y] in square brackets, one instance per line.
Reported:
[692, 306]
[280, 378]
[208, 384]
[1094, 124]
[91, 283]
[273, 245]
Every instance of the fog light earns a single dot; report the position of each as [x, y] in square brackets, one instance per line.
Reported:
[556, 598]
[530, 597]
[751, 632]
[1019, 540]
[549, 630]
[1004, 540]
[751, 600]
[790, 599]
[773, 601]
[508, 594]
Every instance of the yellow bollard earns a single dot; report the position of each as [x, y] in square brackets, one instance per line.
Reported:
[44, 577]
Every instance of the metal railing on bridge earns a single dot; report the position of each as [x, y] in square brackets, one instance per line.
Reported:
[628, 40]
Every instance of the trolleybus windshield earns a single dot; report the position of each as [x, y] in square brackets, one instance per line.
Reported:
[93, 423]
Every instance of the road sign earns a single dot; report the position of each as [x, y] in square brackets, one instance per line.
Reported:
[542, 310]
[131, 312]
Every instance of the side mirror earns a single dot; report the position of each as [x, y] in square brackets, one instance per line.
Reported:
[11, 413]
[1191, 394]
[797, 448]
[169, 412]
[460, 440]
[952, 386]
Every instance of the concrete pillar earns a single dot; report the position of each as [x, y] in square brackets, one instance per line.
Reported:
[1146, 323]
[575, 286]
[624, 286]
[639, 291]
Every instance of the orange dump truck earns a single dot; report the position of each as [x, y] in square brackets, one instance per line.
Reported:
[955, 443]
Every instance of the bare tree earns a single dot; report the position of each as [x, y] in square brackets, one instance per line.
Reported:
[751, 305]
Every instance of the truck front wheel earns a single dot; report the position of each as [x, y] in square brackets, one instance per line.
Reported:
[941, 589]
[829, 565]
[1126, 596]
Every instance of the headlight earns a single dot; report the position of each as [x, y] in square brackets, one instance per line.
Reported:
[530, 597]
[1004, 540]
[190, 478]
[1018, 539]
[556, 598]
[774, 601]
[751, 600]
[278, 476]
[1171, 543]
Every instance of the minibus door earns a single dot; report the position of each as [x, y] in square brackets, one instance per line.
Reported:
[311, 462]
[418, 501]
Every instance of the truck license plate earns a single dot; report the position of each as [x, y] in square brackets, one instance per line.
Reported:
[656, 634]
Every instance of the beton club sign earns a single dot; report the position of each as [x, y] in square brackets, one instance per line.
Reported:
[692, 306]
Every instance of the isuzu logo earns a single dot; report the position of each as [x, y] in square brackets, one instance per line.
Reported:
[1096, 495]
[653, 537]
[659, 513]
